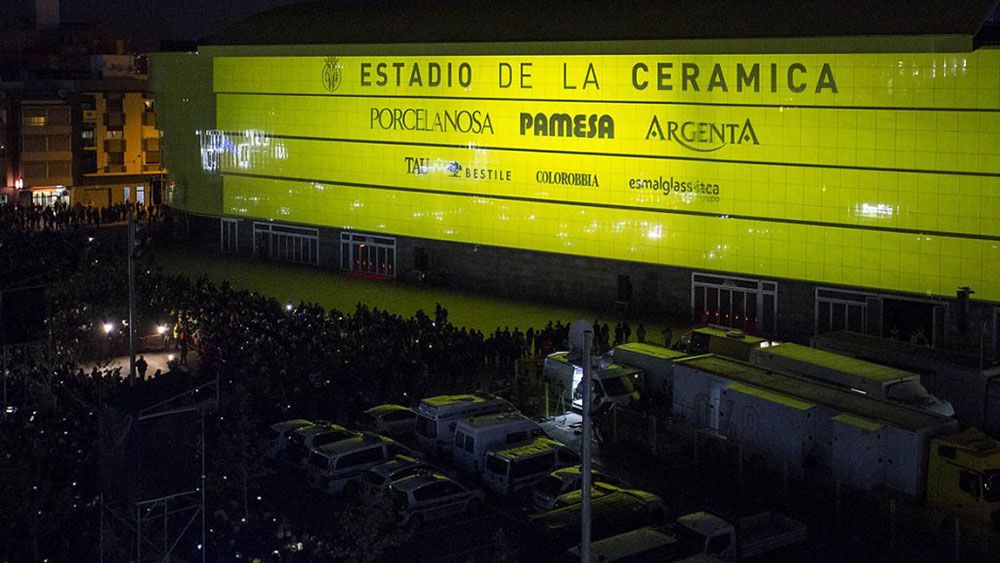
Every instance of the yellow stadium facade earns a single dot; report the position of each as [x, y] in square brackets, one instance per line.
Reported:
[779, 187]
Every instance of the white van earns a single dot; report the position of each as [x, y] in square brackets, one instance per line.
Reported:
[339, 467]
[477, 435]
[438, 416]
[612, 382]
[514, 469]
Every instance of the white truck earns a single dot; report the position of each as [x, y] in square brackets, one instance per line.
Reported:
[612, 383]
[863, 442]
[969, 383]
[704, 533]
[655, 362]
[875, 380]
[437, 418]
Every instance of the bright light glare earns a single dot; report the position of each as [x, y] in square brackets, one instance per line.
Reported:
[161, 329]
[108, 327]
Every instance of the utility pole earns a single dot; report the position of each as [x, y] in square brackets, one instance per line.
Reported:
[131, 295]
[588, 338]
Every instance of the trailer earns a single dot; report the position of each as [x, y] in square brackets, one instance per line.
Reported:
[655, 362]
[971, 385]
[882, 382]
[861, 441]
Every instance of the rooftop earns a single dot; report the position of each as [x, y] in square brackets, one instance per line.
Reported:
[455, 21]
[539, 445]
[810, 391]
[495, 419]
[836, 362]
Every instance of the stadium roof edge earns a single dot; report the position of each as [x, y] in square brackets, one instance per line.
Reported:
[461, 21]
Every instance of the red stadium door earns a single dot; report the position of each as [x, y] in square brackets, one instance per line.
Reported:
[368, 255]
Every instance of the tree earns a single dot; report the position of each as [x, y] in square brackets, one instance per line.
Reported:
[367, 530]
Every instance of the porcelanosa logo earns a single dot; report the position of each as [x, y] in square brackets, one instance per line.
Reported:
[332, 73]
[702, 136]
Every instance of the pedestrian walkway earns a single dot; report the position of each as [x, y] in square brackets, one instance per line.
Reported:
[292, 283]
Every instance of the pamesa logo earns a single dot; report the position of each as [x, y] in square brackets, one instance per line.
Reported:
[332, 72]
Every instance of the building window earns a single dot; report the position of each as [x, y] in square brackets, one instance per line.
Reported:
[153, 157]
[88, 103]
[33, 143]
[116, 159]
[114, 103]
[58, 116]
[59, 143]
[34, 121]
[114, 134]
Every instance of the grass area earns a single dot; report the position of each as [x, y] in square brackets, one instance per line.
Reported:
[288, 282]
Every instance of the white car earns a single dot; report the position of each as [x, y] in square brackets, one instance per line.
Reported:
[275, 438]
[425, 497]
[391, 420]
[303, 441]
[653, 503]
[378, 478]
[562, 481]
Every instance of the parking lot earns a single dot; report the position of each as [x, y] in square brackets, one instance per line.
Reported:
[851, 526]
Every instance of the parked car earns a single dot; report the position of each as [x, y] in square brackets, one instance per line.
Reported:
[598, 490]
[562, 481]
[378, 478]
[307, 439]
[421, 498]
[517, 468]
[611, 514]
[275, 438]
[338, 467]
[389, 419]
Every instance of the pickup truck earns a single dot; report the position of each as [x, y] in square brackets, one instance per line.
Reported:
[707, 534]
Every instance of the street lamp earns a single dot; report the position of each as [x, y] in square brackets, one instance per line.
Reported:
[161, 330]
[108, 327]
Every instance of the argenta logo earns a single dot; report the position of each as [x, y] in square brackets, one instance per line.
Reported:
[701, 136]
[332, 74]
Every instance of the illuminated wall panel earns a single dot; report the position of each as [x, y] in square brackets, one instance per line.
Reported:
[875, 170]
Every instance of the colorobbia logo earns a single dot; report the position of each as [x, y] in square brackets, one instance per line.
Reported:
[332, 72]
[700, 136]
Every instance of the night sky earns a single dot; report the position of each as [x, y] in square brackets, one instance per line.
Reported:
[148, 20]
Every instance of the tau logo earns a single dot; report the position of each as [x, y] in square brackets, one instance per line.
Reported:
[332, 74]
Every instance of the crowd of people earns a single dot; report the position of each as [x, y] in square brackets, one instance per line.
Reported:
[273, 361]
[60, 215]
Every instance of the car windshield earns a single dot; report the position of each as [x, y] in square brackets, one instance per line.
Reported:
[331, 437]
[496, 465]
[426, 427]
[991, 485]
[366, 420]
[551, 485]
[616, 386]
[689, 542]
